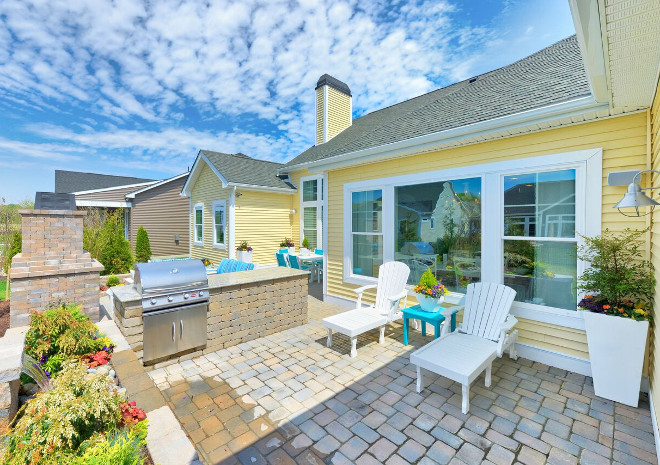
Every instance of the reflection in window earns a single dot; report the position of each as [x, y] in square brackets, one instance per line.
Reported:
[438, 226]
[541, 205]
[310, 190]
[367, 232]
[310, 230]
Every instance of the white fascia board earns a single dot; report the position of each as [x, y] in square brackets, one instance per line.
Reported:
[196, 170]
[250, 187]
[102, 203]
[159, 183]
[427, 142]
[108, 189]
[587, 20]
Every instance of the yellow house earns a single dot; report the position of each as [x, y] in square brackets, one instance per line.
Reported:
[235, 198]
[493, 178]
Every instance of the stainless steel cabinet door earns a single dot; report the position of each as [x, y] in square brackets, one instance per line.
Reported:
[161, 334]
[191, 326]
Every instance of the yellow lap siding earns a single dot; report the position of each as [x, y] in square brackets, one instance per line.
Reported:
[263, 219]
[623, 140]
[208, 189]
[654, 336]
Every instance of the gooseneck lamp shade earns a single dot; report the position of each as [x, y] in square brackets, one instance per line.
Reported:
[636, 198]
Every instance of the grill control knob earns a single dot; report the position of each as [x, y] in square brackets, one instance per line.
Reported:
[186, 295]
[201, 293]
[153, 301]
[170, 298]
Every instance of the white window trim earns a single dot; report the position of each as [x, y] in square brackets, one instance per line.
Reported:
[221, 204]
[320, 202]
[588, 165]
[198, 206]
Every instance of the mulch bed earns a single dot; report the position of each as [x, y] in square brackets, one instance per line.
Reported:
[4, 316]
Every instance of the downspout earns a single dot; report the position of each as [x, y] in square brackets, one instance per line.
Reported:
[190, 238]
[232, 223]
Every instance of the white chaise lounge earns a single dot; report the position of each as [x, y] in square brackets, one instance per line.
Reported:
[390, 292]
[485, 333]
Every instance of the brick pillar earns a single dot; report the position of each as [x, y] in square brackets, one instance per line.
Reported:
[53, 266]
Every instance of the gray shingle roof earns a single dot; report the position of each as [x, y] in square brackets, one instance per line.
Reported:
[76, 181]
[552, 75]
[242, 169]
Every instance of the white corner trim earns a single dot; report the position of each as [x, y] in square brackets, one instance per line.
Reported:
[190, 228]
[102, 203]
[324, 228]
[114, 188]
[586, 17]
[555, 359]
[654, 422]
[154, 185]
[231, 218]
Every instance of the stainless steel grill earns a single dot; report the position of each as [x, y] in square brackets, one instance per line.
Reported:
[175, 300]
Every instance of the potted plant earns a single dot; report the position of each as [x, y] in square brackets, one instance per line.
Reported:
[244, 252]
[304, 249]
[429, 293]
[617, 311]
[288, 243]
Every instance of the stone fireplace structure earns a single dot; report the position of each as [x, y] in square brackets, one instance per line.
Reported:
[53, 266]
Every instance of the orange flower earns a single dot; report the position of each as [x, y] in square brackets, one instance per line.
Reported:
[620, 310]
[588, 296]
[606, 307]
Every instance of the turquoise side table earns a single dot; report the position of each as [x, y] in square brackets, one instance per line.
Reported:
[434, 318]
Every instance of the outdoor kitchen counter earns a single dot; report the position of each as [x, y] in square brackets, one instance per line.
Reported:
[243, 306]
[259, 275]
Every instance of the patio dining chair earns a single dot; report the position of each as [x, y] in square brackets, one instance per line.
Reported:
[281, 260]
[390, 293]
[295, 264]
[484, 334]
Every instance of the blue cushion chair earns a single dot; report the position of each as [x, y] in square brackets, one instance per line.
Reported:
[283, 251]
[318, 251]
[295, 263]
[281, 260]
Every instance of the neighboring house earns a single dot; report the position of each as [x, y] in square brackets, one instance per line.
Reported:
[235, 198]
[161, 210]
[156, 205]
[566, 115]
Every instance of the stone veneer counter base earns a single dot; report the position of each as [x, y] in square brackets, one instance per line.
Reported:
[243, 306]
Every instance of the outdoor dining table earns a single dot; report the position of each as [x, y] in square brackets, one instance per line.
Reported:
[314, 259]
[435, 318]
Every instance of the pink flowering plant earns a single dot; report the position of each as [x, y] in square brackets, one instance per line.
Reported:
[429, 286]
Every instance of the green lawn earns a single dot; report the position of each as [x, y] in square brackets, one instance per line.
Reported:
[3, 289]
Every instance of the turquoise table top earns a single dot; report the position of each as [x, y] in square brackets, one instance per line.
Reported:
[435, 318]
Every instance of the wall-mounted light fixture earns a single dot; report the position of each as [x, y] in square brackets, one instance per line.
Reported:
[292, 211]
[238, 194]
[635, 196]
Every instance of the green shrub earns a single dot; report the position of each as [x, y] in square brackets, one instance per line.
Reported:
[59, 333]
[15, 247]
[428, 279]
[116, 254]
[142, 246]
[122, 447]
[112, 281]
[305, 243]
[55, 423]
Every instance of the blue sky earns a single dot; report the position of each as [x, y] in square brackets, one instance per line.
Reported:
[136, 88]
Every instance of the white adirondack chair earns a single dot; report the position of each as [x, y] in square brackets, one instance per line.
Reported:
[390, 292]
[485, 333]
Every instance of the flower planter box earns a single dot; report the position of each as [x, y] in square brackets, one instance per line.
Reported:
[244, 256]
[292, 250]
[616, 352]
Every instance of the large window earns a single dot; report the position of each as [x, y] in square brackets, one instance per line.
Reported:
[515, 222]
[312, 211]
[199, 224]
[367, 232]
[438, 227]
[219, 224]
[540, 260]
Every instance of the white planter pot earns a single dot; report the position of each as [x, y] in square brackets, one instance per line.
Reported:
[244, 256]
[292, 250]
[304, 251]
[616, 353]
[429, 304]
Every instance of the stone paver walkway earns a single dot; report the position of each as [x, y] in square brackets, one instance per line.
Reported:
[288, 399]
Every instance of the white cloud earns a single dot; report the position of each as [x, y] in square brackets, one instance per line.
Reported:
[131, 73]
